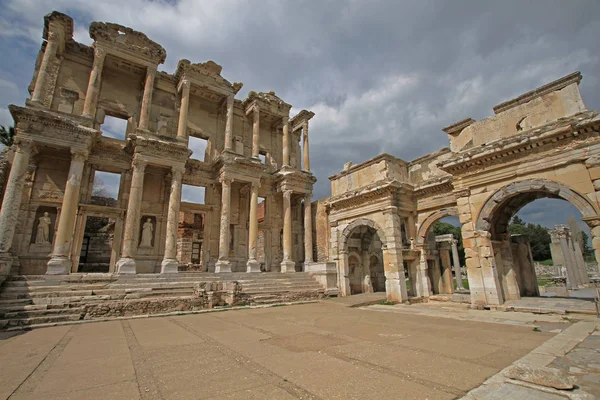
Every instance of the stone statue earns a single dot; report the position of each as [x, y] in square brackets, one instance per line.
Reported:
[42, 235]
[368, 287]
[147, 230]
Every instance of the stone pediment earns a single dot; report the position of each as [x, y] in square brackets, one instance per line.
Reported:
[268, 103]
[302, 117]
[128, 41]
[206, 75]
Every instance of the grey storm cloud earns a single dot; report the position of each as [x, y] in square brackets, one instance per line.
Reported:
[381, 76]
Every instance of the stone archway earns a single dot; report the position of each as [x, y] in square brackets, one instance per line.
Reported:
[361, 222]
[432, 219]
[497, 268]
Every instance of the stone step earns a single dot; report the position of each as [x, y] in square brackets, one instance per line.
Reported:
[43, 319]
[295, 288]
[40, 313]
[14, 302]
[5, 309]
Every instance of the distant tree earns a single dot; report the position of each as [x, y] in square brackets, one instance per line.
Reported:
[7, 136]
[101, 195]
[586, 249]
[444, 228]
[539, 237]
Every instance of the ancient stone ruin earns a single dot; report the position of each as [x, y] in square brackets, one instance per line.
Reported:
[374, 233]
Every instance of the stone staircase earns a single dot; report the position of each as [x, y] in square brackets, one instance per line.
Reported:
[40, 300]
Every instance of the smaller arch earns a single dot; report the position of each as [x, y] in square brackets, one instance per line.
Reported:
[433, 218]
[361, 222]
[535, 188]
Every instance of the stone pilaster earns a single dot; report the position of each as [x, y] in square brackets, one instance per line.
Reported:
[60, 261]
[42, 78]
[229, 124]
[147, 97]
[595, 233]
[253, 265]
[286, 142]
[170, 263]
[93, 89]
[287, 265]
[12, 200]
[393, 263]
[255, 131]
[422, 276]
[456, 260]
[308, 239]
[126, 265]
[305, 146]
[183, 110]
[223, 264]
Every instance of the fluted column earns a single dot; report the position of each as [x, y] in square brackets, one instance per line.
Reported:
[223, 264]
[42, 78]
[287, 265]
[255, 131]
[456, 260]
[147, 97]
[12, 196]
[286, 142]
[183, 110]
[60, 261]
[305, 146]
[126, 265]
[308, 239]
[170, 263]
[93, 89]
[253, 265]
[229, 124]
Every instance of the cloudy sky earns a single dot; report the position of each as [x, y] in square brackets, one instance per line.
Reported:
[381, 76]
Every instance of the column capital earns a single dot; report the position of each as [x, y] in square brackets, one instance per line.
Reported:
[177, 170]
[184, 84]
[305, 126]
[308, 196]
[53, 37]
[151, 69]
[79, 155]
[99, 53]
[287, 193]
[226, 180]
[255, 185]
[24, 146]
[285, 120]
[139, 165]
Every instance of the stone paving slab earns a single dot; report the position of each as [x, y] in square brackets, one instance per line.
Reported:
[311, 351]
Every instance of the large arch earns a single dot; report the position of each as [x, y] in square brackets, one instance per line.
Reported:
[506, 201]
[433, 218]
[361, 222]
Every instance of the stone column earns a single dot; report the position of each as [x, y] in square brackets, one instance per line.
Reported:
[12, 201]
[446, 268]
[42, 78]
[183, 110]
[223, 264]
[229, 124]
[308, 239]
[126, 265]
[595, 233]
[287, 265]
[93, 89]
[578, 256]
[147, 97]
[393, 262]
[170, 263]
[255, 131]
[253, 265]
[567, 260]
[286, 142]
[60, 261]
[305, 146]
[456, 260]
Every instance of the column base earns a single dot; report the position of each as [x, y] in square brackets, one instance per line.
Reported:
[59, 266]
[288, 266]
[169, 266]
[252, 266]
[222, 266]
[126, 266]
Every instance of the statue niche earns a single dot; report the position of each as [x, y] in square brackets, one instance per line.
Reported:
[42, 232]
[147, 228]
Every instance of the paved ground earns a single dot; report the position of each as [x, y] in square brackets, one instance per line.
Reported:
[314, 351]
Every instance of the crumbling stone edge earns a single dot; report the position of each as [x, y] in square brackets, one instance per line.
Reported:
[164, 314]
[539, 358]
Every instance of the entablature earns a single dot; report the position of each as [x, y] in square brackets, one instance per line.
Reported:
[272, 109]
